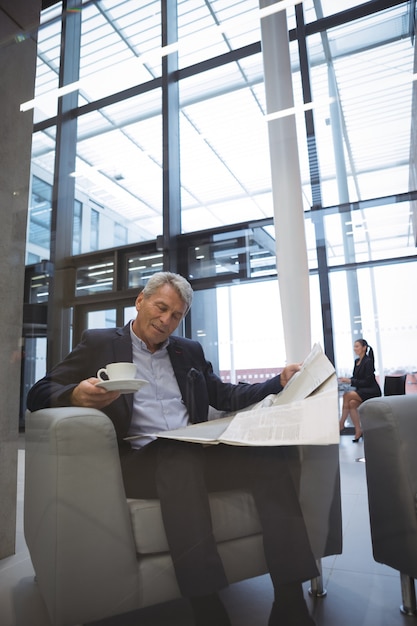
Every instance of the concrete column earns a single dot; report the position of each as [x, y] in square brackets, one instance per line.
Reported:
[292, 262]
[19, 20]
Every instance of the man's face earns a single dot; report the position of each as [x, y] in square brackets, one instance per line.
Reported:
[158, 315]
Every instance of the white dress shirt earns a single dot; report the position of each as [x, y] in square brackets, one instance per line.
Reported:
[158, 405]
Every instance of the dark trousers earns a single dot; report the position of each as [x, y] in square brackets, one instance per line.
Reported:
[182, 474]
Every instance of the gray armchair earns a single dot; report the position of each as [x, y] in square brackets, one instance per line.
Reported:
[96, 554]
[390, 433]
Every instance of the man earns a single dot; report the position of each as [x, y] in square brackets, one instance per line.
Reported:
[181, 386]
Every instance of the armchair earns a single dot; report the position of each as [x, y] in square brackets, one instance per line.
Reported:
[390, 433]
[97, 554]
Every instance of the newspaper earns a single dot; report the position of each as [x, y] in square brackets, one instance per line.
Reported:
[315, 370]
[305, 412]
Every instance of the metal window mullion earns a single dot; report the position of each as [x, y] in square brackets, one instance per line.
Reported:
[315, 182]
[59, 318]
[171, 209]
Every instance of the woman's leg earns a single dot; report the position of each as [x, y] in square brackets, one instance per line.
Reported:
[351, 401]
[345, 409]
[354, 414]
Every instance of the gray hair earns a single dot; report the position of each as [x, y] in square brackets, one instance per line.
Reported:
[178, 282]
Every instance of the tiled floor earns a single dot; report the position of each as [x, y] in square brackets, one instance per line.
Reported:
[360, 591]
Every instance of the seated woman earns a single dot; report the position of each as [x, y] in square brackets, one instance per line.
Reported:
[365, 386]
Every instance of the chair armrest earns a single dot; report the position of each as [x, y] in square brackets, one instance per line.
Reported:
[76, 519]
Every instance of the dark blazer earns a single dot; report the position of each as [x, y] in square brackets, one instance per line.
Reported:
[199, 385]
[363, 379]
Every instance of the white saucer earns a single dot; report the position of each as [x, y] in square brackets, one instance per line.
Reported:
[123, 386]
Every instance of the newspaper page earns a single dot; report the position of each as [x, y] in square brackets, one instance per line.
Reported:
[304, 412]
[315, 369]
[311, 421]
[204, 432]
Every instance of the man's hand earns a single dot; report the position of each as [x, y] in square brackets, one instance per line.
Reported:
[288, 372]
[89, 395]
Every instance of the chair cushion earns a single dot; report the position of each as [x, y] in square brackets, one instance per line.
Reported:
[233, 513]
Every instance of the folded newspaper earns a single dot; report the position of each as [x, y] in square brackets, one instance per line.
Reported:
[305, 412]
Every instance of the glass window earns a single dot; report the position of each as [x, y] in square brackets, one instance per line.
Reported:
[119, 168]
[370, 233]
[95, 277]
[120, 46]
[39, 220]
[362, 106]
[225, 167]
[210, 29]
[141, 267]
[361, 76]
[105, 318]
[94, 229]
[244, 354]
[48, 61]
[38, 245]
[37, 280]
[328, 7]
[129, 313]
[120, 235]
[385, 317]
[244, 253]
[239, 355]
[76, 236]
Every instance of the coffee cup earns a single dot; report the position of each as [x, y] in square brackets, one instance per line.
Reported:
[117, 371]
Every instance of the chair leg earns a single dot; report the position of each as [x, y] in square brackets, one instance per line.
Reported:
[408, 594]
[317, 590]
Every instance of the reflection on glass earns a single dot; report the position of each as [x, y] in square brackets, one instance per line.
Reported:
[141, 267]
[248, 253]
[39, 279]
[95, 278]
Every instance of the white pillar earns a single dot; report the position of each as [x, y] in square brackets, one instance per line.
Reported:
[290, 238]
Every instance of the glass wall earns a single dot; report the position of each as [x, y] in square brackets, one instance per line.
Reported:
[172, 168]
[120, 47]
[363, 73]
[45, 104]
[251, 344]
[387, 320]
[225, 168]
[360, 103]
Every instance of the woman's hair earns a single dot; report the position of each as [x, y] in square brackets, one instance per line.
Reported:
[369, 350]
[178, 282]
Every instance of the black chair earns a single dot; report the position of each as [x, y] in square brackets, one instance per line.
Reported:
[395, 385]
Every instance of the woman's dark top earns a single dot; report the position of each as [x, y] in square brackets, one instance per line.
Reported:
[363, 379]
